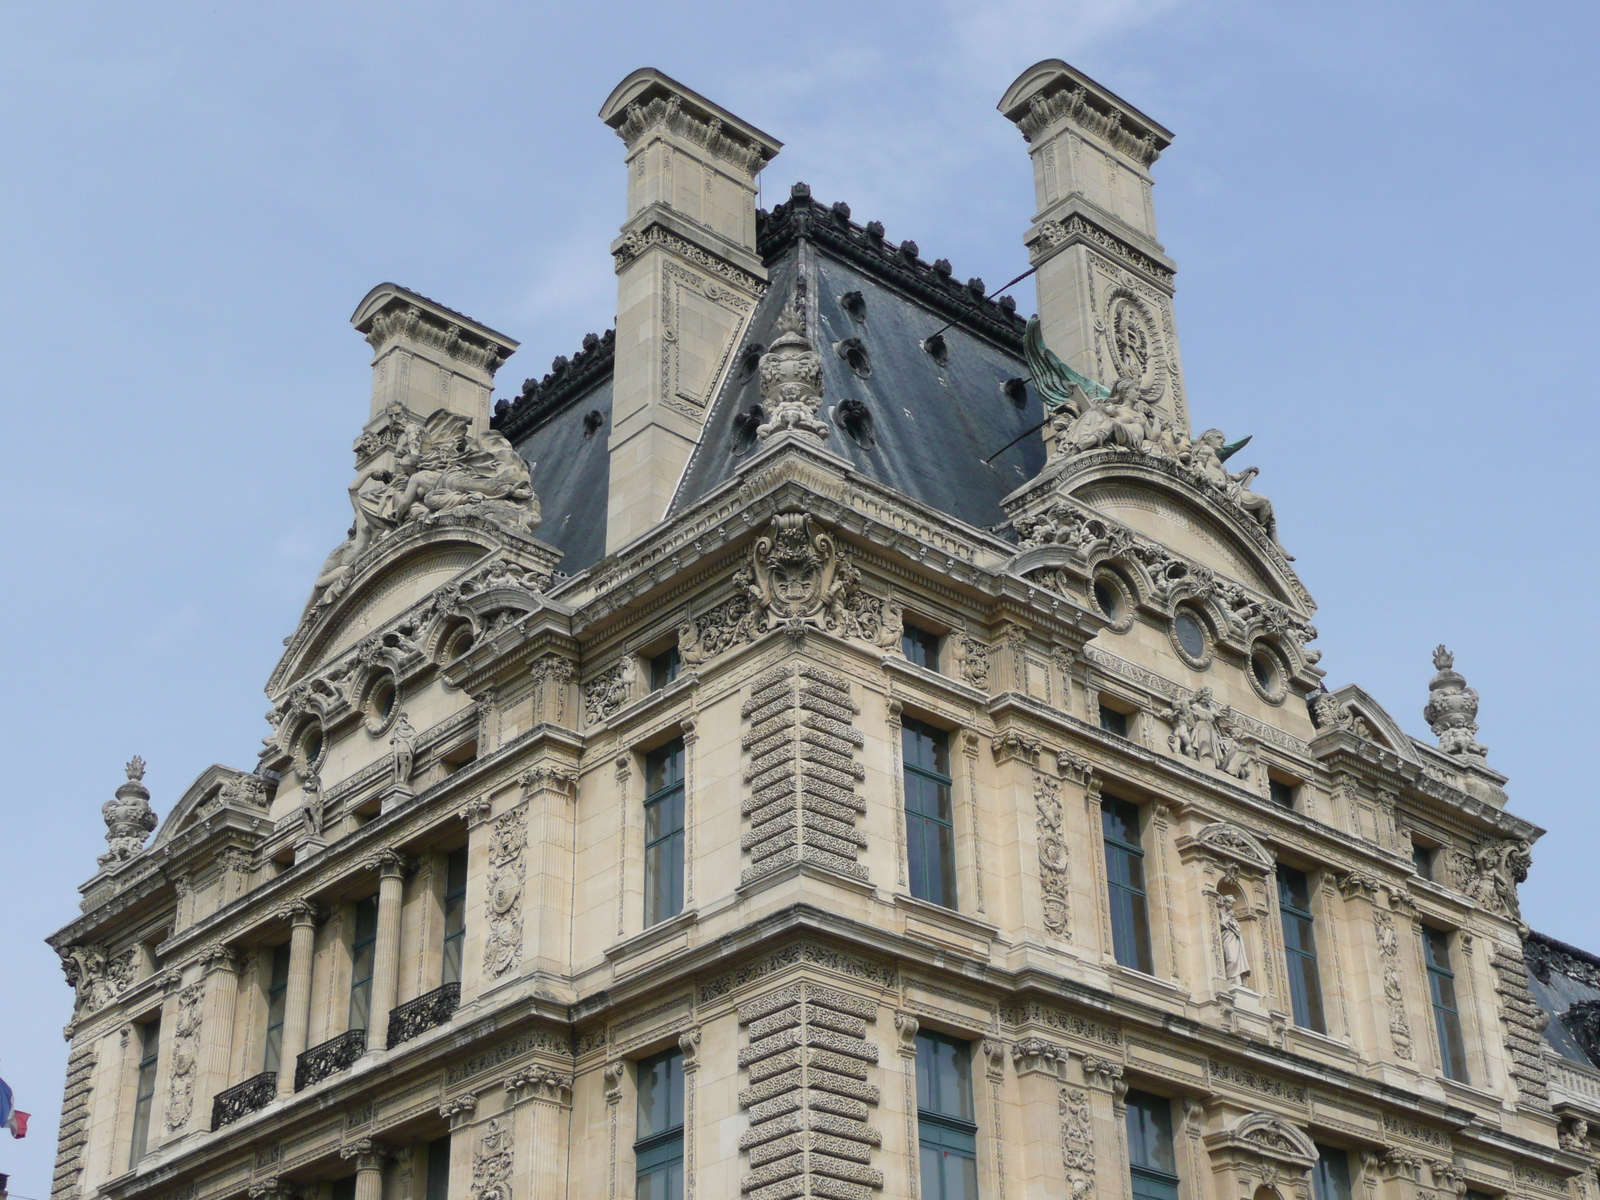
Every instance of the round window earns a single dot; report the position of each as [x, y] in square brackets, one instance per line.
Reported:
[1265, 670]
[1108, 597]
[1191, 634]
[383, 698]
[311, 745]
[459, 644]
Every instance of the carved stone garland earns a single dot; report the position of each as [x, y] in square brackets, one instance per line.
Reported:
[502, 948]
[1053, 861]
[1077, 1141]
[185, 1056]
[492, 1163]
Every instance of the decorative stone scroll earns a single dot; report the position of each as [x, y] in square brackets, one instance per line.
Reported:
[1077, 1141]
[1394, 993]
[96, 977]
[807, 1103]
[1053, 859]
[802, 804]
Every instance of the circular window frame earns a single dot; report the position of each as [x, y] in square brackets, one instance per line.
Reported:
[376, 723]
[1280, 668]
[305, 762]
[1206, 632]
[453, 635]
[1127, 598]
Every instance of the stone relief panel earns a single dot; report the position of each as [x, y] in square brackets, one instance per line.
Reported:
[185, 1057]
[701, 320]
[1053, 858]
[502, 946]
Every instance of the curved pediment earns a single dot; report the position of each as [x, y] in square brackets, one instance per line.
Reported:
[1352, 709]
[1154, 498]
[405, 568]
[218, 787]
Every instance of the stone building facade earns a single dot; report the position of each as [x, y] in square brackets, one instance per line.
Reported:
[828, 738]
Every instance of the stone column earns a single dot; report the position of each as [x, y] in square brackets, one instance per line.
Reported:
[369, 1155]
[460, 1112]
[538, 1100]
[906, 1027]
[303, 916]
[221, 967]
[1106, 1088]
[391, 868]
[1054, 1134]
[550, 790]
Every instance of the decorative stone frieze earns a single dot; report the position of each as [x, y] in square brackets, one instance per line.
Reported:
[807, 1101]
[802, 803]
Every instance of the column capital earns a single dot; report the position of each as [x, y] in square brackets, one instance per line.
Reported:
[477, 812]
[459, 1110]
[276, 1188]
[369, 1154]
[220, 957]
[301, 912]
[906, 1026]
[390, 864]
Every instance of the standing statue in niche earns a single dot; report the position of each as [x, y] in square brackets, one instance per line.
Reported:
[1235, 964]
[404, 741]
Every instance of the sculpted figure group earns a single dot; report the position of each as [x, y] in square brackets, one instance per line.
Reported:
[439, 466]
[1083, 416]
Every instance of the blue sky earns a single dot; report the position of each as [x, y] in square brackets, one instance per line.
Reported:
[1384, 217]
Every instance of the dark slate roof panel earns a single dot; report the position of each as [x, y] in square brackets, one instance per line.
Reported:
[1560, 976]
[572, 475]
[934, 424]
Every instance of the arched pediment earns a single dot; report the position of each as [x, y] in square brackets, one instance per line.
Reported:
[1163, 501]
[218, 787]
[1275, 1137]
[409, 566]
[1228, 841]
[1352, 709]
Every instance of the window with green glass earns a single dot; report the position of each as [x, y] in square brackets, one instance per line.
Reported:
[455, 914]
[947, 1129]
[920, 647]
[663, 832]
[1299, 940]
[144, 1092]
[1130, 906]
[277, 994]
[930, 824]
[1446, 1014]
[1151, 1160]
[664, 668]
[363, 951]
[1330, 1178]
[658, 1138]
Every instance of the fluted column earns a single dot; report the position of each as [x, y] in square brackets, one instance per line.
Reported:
[391, 868]
[297, 996]
[369, 1155]
[221, 965]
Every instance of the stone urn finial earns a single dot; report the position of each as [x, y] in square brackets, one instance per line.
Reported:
[1452, 709]
[791, 380]
[129, 818]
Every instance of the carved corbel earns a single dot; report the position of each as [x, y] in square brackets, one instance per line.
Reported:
[549, 777]
[276, 1188]
[368, 1154]
[539, 1083]
[1036, 1056]
[689, 1047]
[220, 957]
[1103, 1074]
[906, 1027]
[1011, 744]
[459, 1110]
[1357, 884]
[612, 1081]
[1074, 767]
[477, 811]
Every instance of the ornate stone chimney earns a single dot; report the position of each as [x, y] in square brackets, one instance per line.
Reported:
[688, 278]
[1104, 282]
[426, 357]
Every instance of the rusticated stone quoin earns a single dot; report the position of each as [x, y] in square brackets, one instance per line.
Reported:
[802, 775]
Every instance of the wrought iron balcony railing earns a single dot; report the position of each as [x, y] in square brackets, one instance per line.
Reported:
[332, 1056]
[422, 1014]
[242, 1099]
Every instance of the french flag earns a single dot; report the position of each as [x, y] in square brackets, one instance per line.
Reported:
[12, 1117]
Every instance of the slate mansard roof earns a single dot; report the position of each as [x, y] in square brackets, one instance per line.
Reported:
[941, 425]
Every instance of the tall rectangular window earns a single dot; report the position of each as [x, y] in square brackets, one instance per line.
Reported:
[144, 1092]
[663, 832]
[920, 647]
[1330, 1178]
[658, 1143]
[1151, 1160]
[363, 950]
[930, 823]
[1446, 1016]
[1299, 939]
[438, 1182]
[1130, 907]
[664, 668]
[455, 914]
[947, 1130]
[277, 994]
